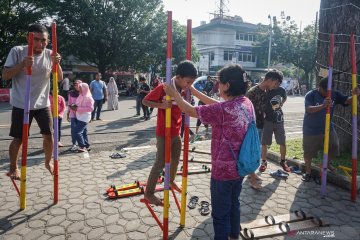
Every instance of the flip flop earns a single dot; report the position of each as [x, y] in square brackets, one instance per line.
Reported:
[117, 155]
[204, 208]
[280, 174]
[193, 202]
[296, 170]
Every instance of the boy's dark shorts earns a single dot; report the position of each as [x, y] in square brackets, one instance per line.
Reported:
[276, 128]
[314, 143]
[42, 116]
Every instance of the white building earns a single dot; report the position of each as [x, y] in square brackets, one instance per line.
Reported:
[225, 40]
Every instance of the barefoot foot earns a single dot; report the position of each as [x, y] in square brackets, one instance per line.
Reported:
[153, 200]
[50, 167]
[14, 174]
[175, 187]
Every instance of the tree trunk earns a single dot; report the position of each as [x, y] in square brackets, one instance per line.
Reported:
[340, 17]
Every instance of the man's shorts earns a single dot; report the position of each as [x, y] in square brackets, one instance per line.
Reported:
[313, 144]
[270, 128]
[42, 116]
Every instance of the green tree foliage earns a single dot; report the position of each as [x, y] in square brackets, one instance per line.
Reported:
[15, 18]
[290, 45]
[108, 34]
[118, 34]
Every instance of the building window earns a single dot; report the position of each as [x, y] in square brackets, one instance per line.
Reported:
[240, 57]
[244, 37]
[212, 56]
[246, 57]
[228, 55]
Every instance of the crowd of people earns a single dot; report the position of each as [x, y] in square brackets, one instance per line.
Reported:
[227, 116]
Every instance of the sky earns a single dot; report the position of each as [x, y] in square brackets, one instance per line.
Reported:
[252, 11]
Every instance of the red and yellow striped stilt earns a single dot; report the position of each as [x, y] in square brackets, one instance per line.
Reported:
[327, 120]
[167, 131]
[25, 131]
[55, 113]
[186, 134]
[354, 119]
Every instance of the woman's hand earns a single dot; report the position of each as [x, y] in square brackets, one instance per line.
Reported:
[170, 90]
[165, 104]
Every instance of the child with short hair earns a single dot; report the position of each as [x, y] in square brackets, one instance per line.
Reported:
[185, 75]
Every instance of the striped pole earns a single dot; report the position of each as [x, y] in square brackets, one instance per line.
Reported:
[186, 134]
[354, 120]
[167, 130]
[55, 113]
[25, 131]
[327, 120]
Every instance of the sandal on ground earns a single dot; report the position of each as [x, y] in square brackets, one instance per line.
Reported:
[193, 202]
[279, 173]
[306, 177]
[295, 169]
[117, 155]
[317, 179]
[204, 208]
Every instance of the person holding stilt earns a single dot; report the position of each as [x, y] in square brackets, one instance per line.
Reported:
[316, 102]
[15, 69]
[229, 121]
[185, 75]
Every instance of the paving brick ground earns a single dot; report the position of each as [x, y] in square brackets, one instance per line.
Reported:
[84, 212]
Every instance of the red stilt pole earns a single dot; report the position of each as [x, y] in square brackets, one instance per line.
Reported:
[327, 121]
[186, 134]
[354, 120]
[25, 131]
[55, 113]
[167, 131]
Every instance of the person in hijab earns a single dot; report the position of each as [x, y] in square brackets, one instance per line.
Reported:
[113, 93]
[83, 107]
[71, 114]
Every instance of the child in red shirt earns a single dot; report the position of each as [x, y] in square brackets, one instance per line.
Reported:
[185, 75]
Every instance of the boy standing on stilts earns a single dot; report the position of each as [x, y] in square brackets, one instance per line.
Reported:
[185, 75]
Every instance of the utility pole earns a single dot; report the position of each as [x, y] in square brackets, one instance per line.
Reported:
[270, 38]
[209, 62]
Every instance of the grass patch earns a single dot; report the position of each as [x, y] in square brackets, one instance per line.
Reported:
[294, 149]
